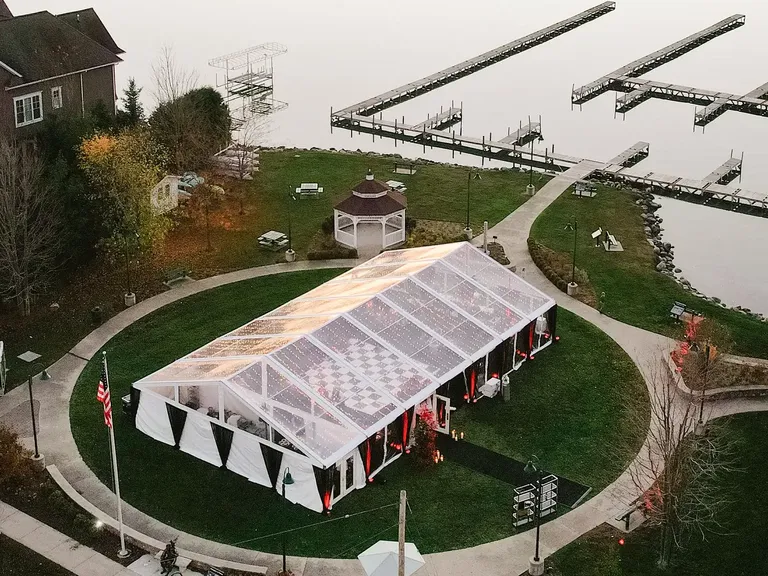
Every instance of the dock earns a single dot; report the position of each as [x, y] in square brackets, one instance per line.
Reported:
[632, 155]
[721, 105]
[422, 86]
[652, 61]
[640, 90]
[442, 121]
[524, 135]
[726, 173]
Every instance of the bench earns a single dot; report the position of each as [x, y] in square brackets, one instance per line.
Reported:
[678, 309]
[175, 275]
[309, 190]
[611, 244]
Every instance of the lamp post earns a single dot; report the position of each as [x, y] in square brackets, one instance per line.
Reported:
[573, 225]
[536, 567]
[290, 255]
[467, 229]
[287, 481]
[129, 296]
[30, 357]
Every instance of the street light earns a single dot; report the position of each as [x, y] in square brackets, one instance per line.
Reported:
[531, 468]
[573, 225]
[470, 177]
[287, 481]
[30, 358]
[290, 255]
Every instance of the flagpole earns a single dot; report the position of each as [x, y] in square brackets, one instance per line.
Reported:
[123, 552]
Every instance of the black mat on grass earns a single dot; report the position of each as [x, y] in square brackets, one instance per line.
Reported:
[504, 468]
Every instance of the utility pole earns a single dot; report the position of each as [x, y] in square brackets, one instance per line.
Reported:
[401, 536]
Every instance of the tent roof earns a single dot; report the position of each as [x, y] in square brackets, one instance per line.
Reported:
[357, 351]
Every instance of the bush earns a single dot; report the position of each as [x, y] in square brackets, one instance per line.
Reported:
[332, 254]
[327, 225]
[18, 475]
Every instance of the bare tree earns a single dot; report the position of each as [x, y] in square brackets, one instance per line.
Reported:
[205, 198]
[172, 80]
[677, 475]
[29, 224]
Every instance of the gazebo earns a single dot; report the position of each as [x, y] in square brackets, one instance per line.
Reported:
[372, 216]
[331, 384]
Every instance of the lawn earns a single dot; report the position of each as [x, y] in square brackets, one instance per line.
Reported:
[635, 292]
[740, 552]
[18, 560]
[452, 507]
[436, 192]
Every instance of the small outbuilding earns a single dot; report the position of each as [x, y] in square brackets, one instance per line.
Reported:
[372, 216]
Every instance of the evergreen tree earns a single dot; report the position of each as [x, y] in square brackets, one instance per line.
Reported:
[132, 113]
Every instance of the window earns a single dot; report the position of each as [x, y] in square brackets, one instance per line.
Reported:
[29, 109]
[56, 100]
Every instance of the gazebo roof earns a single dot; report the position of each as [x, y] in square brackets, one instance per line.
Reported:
[372, 197]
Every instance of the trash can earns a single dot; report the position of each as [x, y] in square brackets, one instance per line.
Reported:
[96, 314]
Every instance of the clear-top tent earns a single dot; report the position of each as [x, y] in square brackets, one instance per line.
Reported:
[330, 368]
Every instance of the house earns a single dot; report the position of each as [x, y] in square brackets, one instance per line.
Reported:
[50, 65]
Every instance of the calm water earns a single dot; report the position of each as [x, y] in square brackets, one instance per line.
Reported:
[342, 51]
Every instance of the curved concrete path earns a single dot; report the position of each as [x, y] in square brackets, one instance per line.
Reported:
[503, 557]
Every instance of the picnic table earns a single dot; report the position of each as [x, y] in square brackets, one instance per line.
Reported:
[273, 240]
[397, 186]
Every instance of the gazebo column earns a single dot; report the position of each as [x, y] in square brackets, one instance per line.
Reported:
[355, 220]
[383, 221]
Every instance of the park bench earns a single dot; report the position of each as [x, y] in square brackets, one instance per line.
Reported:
[309, 190]
[174, 275]
[626, 514]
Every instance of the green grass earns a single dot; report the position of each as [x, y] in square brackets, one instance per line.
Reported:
[635, 292]
[742, 552]
[566, 407]
[580, 379]
[435, 192]
[18, 560]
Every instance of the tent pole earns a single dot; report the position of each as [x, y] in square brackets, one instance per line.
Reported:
[401, 536]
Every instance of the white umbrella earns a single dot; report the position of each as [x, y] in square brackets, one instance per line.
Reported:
[381, 559]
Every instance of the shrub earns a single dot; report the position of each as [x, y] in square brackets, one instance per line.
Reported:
[332, 254]
[327, 225]
[18, 475]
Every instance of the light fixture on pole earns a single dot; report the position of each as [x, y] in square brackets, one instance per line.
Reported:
[290, 255]
[470, 177]
[287, 481]
[31, 357]
[536, 566]
[573, 288]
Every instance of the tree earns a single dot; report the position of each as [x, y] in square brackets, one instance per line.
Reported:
[124, 168]
[192, 123]
[677, 475]
[132, 113]
[29, 224]
[205, 198]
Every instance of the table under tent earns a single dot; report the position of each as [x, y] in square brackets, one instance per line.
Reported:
[330, 384]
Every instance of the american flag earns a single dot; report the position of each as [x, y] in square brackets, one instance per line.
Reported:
[102, 395]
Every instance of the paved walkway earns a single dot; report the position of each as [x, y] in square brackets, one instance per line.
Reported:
[55, 546]
[503, 557]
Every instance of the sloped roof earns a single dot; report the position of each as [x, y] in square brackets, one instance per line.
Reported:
[330, 368]
[371, 186]
[384, 205]
[5, 12]
[89, 23]
[40, 46]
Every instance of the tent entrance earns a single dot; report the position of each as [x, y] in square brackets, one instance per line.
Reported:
[443, 413]
[344, 477]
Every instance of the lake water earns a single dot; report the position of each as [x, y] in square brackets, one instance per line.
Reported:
[343, 51]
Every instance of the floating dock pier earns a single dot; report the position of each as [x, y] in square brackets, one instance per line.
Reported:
[654, 60]
[632, 155]
[433, 81]
[726, 102]
[524, 135]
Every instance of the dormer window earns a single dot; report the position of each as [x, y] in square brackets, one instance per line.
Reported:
[56, 99]
[28, 109]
